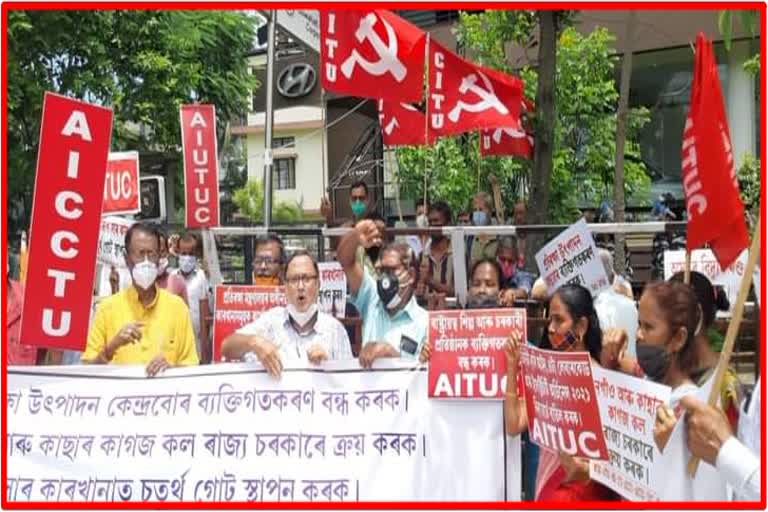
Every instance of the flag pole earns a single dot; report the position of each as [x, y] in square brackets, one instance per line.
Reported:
[428, 146]
[732, 332]
[687, 271]
[479, 158]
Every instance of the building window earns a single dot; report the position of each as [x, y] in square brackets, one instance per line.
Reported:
[284, 174]
[283, 142]
[661, 82]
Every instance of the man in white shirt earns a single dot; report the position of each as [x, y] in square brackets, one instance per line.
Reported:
[710, 438]
[614, 309]
[188, 253]
[296, 332]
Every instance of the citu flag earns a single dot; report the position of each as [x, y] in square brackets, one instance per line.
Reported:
[464, 96]
[402, 124]
[512, 140]
[371, 54]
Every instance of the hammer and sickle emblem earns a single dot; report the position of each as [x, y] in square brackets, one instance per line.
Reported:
[487, 97]
[511, 132]
[394, 123]
[388, 61]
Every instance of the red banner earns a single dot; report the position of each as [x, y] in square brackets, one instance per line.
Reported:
[121, 185]
[236, 306]
[560, 397]
[402, 124]
[468, 359]
[201, 177]
[371, 54]
[64, 228]
[715, 210]
[464, 96]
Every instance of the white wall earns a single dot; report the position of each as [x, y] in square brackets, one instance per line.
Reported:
[309, 174]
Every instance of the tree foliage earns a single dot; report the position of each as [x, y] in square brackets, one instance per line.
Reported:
[250, 202]
[586, 99]
[142, 63]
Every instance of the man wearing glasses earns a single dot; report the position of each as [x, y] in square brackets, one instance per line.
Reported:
[297, 332]
[268, 261]
[142, 324]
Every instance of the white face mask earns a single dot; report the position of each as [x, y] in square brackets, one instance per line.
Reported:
[422, 221]
[302, 318]
[144, 274]
[187, 263]
[162, 266]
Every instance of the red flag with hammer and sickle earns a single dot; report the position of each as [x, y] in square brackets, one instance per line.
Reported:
[713, 202]
[371, 54]
[464, 96]
[402, 124]
[512, 140]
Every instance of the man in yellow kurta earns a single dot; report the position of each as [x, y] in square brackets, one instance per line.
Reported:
[142, 324]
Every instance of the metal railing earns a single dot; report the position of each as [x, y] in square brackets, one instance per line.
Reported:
[457, 235]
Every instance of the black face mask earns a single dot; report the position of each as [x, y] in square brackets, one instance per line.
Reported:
[388, 287]
[654, 360]
[482, 301]
[373, 253]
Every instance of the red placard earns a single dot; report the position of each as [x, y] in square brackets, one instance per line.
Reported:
[468, 359]
[238, 305]
[121, 185]
[66, 216]
[561, 401]
[201, 177]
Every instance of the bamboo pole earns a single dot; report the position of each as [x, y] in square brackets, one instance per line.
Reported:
[732, 332]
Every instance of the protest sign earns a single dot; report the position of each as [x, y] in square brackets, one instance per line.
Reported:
[560, 398]
[628, 412]
[333, 289]
[232, 433]
[468, 359]
[121, 185]
[64, 234]
[236, 306]
[704, 261]
[571, 257]
[201, 175]
[675, 483]
[111, 253]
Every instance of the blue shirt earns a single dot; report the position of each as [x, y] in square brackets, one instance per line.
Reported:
[379, 325]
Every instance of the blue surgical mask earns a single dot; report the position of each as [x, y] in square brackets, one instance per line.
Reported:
[479, 218]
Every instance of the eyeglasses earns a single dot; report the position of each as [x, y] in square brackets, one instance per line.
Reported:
[264, 260]
[296, 280]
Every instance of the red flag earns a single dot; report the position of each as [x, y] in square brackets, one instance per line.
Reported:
[402, 124]
[464, 96]
[371, 54]
[715, 210]
[513, 140]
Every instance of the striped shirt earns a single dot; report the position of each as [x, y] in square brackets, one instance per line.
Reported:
[275, 326]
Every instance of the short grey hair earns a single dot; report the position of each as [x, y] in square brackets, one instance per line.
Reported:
[507, 242]
[607, 259]
[403, 250]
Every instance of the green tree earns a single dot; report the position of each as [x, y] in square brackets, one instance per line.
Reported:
[142, 63]
[250, 202]
[585, 126]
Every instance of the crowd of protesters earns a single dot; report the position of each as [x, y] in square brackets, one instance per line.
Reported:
[667, 336]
